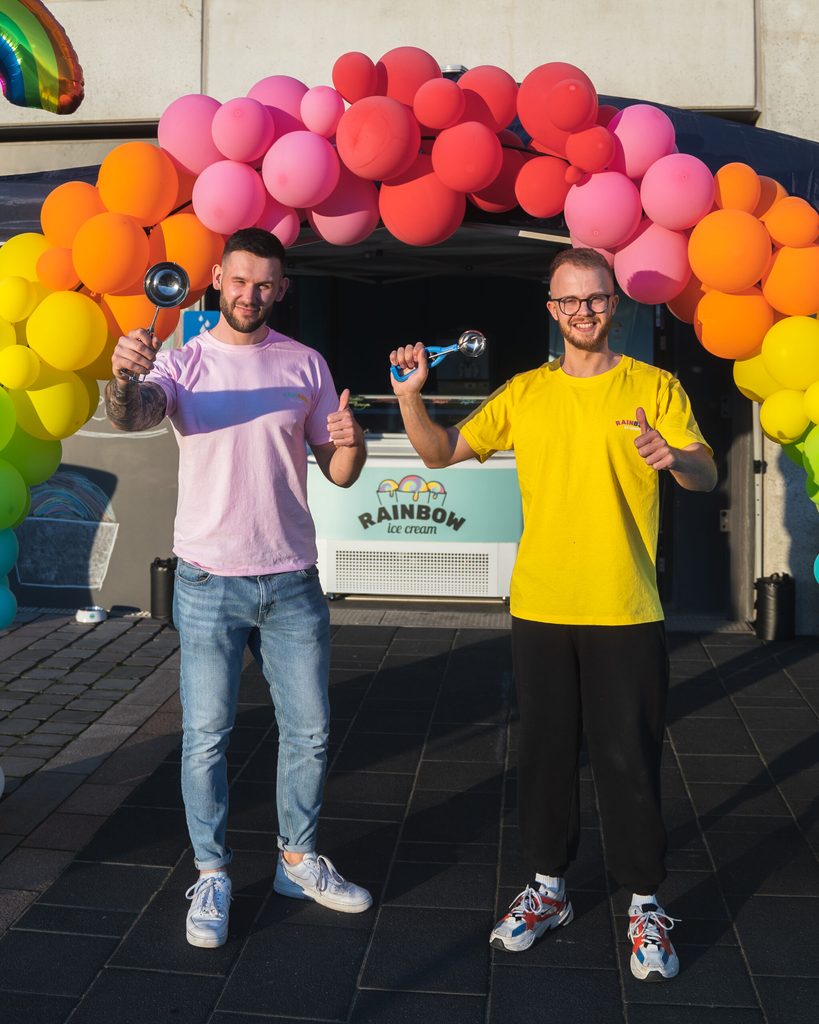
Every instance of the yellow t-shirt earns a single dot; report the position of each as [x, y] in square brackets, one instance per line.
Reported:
[590, 502]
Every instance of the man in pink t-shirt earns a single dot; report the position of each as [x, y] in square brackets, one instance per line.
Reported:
[244, 402]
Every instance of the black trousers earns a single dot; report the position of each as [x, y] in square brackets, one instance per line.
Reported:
[612, 683]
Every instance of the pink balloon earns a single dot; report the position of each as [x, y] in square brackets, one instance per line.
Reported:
[321, 109]
[283, 95]
[643, 134]
[654, 266]
[184, 131]
[282, 221]
[350, 212]
[604, 211]
[228, 196]
[300, 169]
[243, 129]
[677, 191]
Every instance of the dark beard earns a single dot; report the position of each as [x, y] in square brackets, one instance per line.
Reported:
[242, 326]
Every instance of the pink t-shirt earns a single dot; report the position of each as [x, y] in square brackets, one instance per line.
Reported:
[242, 415]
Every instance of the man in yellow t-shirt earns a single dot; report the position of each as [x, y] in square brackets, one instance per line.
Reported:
[591, 432]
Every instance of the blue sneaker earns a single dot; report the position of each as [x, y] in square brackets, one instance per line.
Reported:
[315, 878]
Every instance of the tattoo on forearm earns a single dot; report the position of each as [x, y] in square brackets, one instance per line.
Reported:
[132, 406]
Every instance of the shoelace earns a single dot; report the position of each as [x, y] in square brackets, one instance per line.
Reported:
[210, 894]
[651, 925]
[529, 901]
[328, 876]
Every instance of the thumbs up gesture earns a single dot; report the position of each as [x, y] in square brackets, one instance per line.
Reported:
[341, 425]
[652, 446]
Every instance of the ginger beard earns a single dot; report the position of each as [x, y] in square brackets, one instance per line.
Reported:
[586, 331]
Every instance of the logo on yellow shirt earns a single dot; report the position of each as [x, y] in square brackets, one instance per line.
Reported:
[628, 424]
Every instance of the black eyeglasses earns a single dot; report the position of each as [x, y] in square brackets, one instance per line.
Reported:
[570, 304]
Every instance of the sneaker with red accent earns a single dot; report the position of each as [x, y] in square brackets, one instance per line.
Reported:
[652, 956]
[532, 912]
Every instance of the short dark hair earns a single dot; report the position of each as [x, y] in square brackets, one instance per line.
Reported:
[586, 259]
[257, 242]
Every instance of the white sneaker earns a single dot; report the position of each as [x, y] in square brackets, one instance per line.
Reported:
[315, 878]
[532, 912]
[653, 958]
[207, 923]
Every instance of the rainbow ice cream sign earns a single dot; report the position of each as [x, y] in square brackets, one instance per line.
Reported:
[412, 505]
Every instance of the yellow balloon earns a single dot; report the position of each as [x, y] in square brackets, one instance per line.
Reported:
[783, 417]
[19, 367]
[67, 330]
[811, 402]
[18, 298]
[8, 335]
[790, 351]
[56, 406]
[753, 380]
[92, 393]
[20, 254]
[100, 369]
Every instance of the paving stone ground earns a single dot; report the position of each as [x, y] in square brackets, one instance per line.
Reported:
[420, 807]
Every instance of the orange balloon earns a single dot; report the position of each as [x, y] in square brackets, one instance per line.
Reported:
[126, 313]
[792, 282]
[684, 305]
[772, 192]
[737, 187]
[66, 208]
[729, 250]
[733, 326]
[55, 269]
[140, 180]
[184, 239]
[110, 253]
[792, 221]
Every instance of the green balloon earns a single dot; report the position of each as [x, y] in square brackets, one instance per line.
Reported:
[12, 494]
[34, 458]
[9, 550]
[24, 514]
[8, 417]
[810, 452]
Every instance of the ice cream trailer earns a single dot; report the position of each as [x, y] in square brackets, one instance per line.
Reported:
[407, 530]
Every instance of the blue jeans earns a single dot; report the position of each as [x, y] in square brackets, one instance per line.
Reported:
[283, 619]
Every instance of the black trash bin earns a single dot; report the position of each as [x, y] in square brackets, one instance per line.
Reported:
[775, 607]
[162, 577]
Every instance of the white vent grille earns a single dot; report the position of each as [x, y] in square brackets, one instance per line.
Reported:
[438, 573]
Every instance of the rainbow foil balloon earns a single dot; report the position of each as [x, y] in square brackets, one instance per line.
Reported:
[38, 65]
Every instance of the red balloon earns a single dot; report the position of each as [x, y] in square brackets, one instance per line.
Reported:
[537, 109]
[572, 104]
[591, 150]
[605, 112]
[491, 94]
[355, 76]
[508, 138]
[541, 187]
[378, 138]
[417, 208]
[407, 68]
[439, 103]
[499, 196]
[467, 157]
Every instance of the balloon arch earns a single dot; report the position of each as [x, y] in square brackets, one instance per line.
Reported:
[397, 143]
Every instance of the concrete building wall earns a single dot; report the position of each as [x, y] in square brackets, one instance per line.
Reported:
[750, 58]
